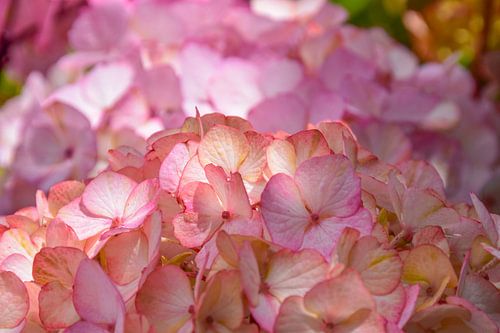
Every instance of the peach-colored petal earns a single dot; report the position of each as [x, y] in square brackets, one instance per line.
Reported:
[225, 147]
[294, 318]
[337, 299]
[281, 157]
[221, 304]
[56, 306]
[57, 264]
[126, 255]
[294, 273]
[166, 298]
[308, 144]
[379, 268]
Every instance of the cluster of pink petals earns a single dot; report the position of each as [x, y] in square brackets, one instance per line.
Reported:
[218, 227]
[140, 66]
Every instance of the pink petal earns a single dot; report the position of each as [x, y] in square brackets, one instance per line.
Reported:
[329, 186]
[14, 301]
[250, 276]
[284, 213]
[107, 194]
[165, 298]
[490, 227]
[192, 229]
[324, 236]
[85, 327]
[266, 311]
[391, 305]
[95, 297]
[84, 226]
[234, 88]
[339, 298]
[230, 190]
[411, 301]
[141, 202]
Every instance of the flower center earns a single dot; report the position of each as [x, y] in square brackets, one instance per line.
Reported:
[314, 218]
[116, 222]
[209, 320]
[226, 215]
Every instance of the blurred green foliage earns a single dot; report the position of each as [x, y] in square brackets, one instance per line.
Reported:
[386, 14]
[8, 89]
[434, 29]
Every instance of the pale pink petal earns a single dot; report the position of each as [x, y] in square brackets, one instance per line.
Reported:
[283, 210]
[17, 241]
[107, 194]
[324, 236]
[19, 265]
[329, 186]
[165, 298]
[234, 88]
[14, 301]
[172, 168]
[95, 297]
[284, 112]
[83, 226]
